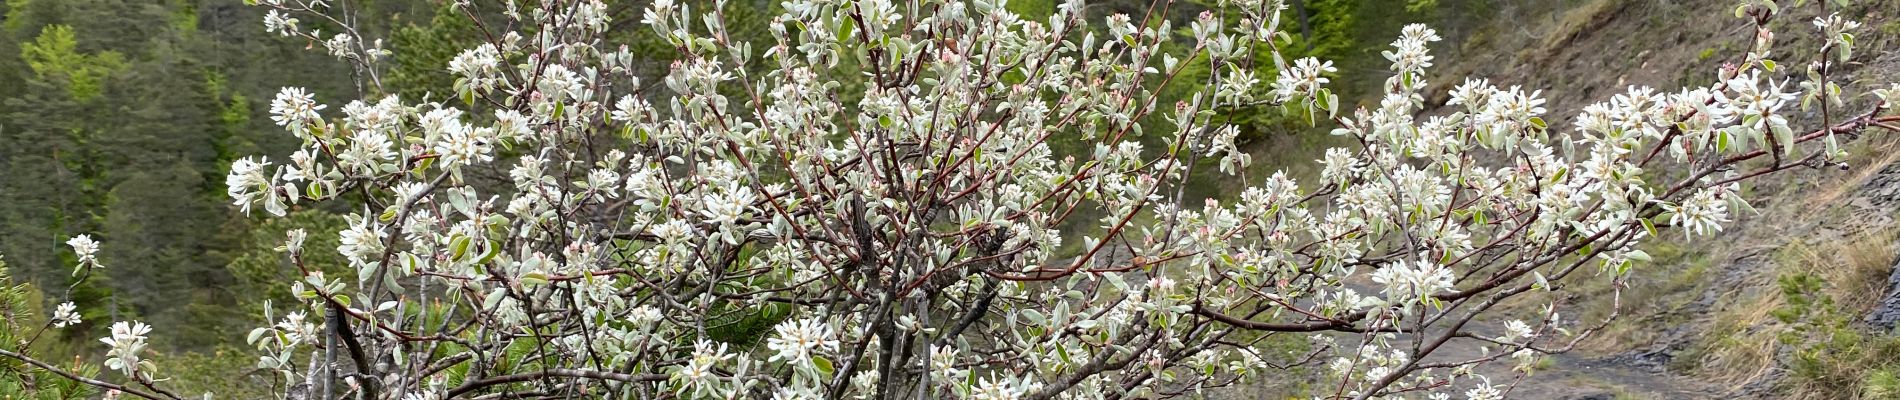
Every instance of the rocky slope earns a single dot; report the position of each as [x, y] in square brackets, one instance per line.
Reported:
[1712, 318]
[1707, 320]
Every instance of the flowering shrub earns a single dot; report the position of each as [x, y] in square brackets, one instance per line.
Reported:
[560, 228]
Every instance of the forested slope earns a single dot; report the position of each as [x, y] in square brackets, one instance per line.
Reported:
[119, 119]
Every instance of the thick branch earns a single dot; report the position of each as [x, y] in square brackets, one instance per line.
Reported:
[81, 379]
[559, 372]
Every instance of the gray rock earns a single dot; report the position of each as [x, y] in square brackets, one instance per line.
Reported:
[1884, 315]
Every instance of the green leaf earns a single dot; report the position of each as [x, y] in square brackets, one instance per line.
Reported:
[535, 278]
[494, 298]
[365, 274]
[847, 28]
[823, 364]
[458, 247]
[421, 166]
[1833, 147]
[488, 253]
[1035, 317]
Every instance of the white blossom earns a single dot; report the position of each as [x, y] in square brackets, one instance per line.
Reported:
[478, 67]
[127, 342]
[1515, 329]
[86, 249]
[247, 183]
[1305, 77]
[295, 110]
[698, 372]
[460, 146]
[293, 244]
[992, 388]
[1485, 392]
[798, 341]
[726, 209]
[1701, 214]
[339, 45]
[1340, 165]
[367, 150]
[1405, 281]
[279, 23]
[1411, 54]
[362, 241]
[65, 315]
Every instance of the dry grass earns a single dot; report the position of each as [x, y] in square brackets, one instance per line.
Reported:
[1743, 340]
[1578, 21]
[1742, 344]
[1867, 159]
[1654, 294]
[1856, 268]
[1811, 230]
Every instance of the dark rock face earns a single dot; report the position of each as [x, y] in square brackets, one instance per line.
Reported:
[1884, 315]
[1884, 192]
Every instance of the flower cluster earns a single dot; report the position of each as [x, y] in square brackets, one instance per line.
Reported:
[1838, 34]
[65, 315]
[1702, 214]
[796, 342]
[87, 250]
[1410, 54]
[296, 111]
[1408, 281]
[127, 342]
[1305, 78]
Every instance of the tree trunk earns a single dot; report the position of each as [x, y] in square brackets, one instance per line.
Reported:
[1306, 20]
